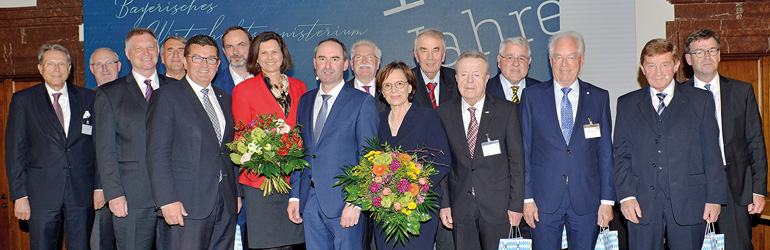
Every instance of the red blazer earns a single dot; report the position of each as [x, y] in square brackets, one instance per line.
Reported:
[251, 98]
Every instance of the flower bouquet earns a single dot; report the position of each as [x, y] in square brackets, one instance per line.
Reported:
[394, 186]
[269, 147]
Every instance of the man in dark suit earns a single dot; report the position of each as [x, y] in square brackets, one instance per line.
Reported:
[667, 162]
[486, 182]
[172, 56]
[236, 43]
[336, 119]
[365, 61]
[566, 126]
[513, 61]
[435, 84]
[741, 140]
[49, 155]
[120, 133]
[193, 180]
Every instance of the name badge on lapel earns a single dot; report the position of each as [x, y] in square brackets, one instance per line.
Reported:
[490, 147]
[592, 130]
[87, 128]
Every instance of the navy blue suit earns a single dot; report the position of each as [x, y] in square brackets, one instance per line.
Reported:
[671, 163]
[224, 80]
[494, 87]
[351, 119]
[56, 171]
[566, 179]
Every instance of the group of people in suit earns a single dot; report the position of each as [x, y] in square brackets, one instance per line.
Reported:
[149, 154]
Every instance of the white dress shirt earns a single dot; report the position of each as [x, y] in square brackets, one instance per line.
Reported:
[716, 92]
[507, 87]
[329, 103]
[154, 82]
[236, 77]
[436, 79]
[214, 102]
[573, 96]
[467, 114]
[64, 102]
[359, 86]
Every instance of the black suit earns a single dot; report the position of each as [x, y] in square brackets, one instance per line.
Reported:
[185, 160]
[447, 89]
[56, 171]
[481, 220]
[120, 110]
[744, 148]
[381, 104]
[494, 87]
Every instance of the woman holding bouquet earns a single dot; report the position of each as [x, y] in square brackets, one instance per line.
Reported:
[270, 91]
[412, 128]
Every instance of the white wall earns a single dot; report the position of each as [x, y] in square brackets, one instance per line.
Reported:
[651, 17]
[17, 3]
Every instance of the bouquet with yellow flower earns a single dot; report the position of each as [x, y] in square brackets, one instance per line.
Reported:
[394, 186]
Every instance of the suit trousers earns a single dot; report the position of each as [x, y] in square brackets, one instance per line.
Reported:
[103, 233]
[215, 232]
[137, 229]
[650, 236]
[735, 222]
[322, 232]
[444, 238]
[581, 229]
[474, 232]
[45, 224]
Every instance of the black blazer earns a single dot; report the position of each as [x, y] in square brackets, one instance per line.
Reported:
[381, 104]
[120, 134]
[743, 138]
[38, 155]
[498, 180]
[494, 87]
[447, 88]
[184, 158]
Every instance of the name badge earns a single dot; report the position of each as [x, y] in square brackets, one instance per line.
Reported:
[592, 130]
[86, 129]
[490, 147]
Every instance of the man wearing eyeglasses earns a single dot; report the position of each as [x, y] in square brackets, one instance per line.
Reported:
[189, 123]
[366, 56]
[741, 140]
[120, 107]
[105, 65]
[513, 61]
[236, 43]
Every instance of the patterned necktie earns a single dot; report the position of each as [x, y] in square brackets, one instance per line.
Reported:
[319, 122]
[662, 104]
[515, 98]
[566, 115]
[148, 90]
[57, 108]
[366, 88]
[473, 130]
[432, 86]
[212, 114]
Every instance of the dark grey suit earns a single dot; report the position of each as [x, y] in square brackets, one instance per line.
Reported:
[446, 92]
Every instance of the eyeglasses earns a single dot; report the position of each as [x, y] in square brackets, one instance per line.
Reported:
[517, 58]
[700, 53]
[100, 64]
[361, 58]
[209, 60]
[388, 86]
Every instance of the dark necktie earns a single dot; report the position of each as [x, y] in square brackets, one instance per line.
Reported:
[473, 130]
[57, 108]
[515, 97]
[148, 90]
[432, 86]
[319, 122]
[662, 105]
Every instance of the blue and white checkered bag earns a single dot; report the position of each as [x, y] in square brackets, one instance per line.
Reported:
[564, 237]
[515, 241]
[713, 241]
[607, 240]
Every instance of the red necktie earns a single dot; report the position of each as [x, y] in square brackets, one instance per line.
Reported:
[366, 88]
[431, 86]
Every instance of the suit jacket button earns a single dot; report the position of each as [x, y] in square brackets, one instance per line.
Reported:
[652, 187]
[568, 151]
[659, 151]
[564, 176]
[656, 141]
[312, 156]
[469, 193]
[653, 165]
[66, 150]
[473, 170]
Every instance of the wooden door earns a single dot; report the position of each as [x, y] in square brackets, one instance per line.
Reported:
[14, 234]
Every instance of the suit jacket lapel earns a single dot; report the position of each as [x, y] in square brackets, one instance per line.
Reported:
[447, 89]
[549, 106]
[421, 93]
[582, 102]
[45, 107]
[457, 128]
[671, 112]
[339, 104]
[200, 112]
[647, 110]
[486, 118]
[134, 92]
[227, 112]
[76, 114]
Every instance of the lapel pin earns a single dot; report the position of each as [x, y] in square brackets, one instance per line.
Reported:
[588, 93]
[486, 112]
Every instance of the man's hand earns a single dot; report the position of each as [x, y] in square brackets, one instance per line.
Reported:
[446, 217]
[514, 218]
[98, 199]
[605, 215]
[350, 215]
[758, 205]
[631, 210]
[293, 211]
[711, 212]
[240, 205]
[21, 209]
[530, 214]
[173, 213]
[119, 206]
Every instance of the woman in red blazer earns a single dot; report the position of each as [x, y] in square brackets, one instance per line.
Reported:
[269, 91]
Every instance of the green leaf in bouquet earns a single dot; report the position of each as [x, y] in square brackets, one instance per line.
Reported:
[366, 206]
[412, 225]
[242, 147]
[421, 216]
[235, 158]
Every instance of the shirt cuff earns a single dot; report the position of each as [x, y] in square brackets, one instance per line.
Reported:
[100, 190]
[359, 207]
[529, 200]
[628, 198]
[608, 202]
[293, 199]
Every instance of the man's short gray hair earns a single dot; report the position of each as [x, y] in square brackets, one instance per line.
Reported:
[377, 51]
[469, 54]
[567, 34]
[518, 41]
[178, 38]
[53, 47]
[432, 33]
[91, 60]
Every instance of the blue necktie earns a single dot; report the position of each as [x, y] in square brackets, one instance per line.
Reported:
[319, 122]
[662, 104]
[566, 115]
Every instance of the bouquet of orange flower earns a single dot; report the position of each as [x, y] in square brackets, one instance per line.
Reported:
[269, 147]
[394, 186]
